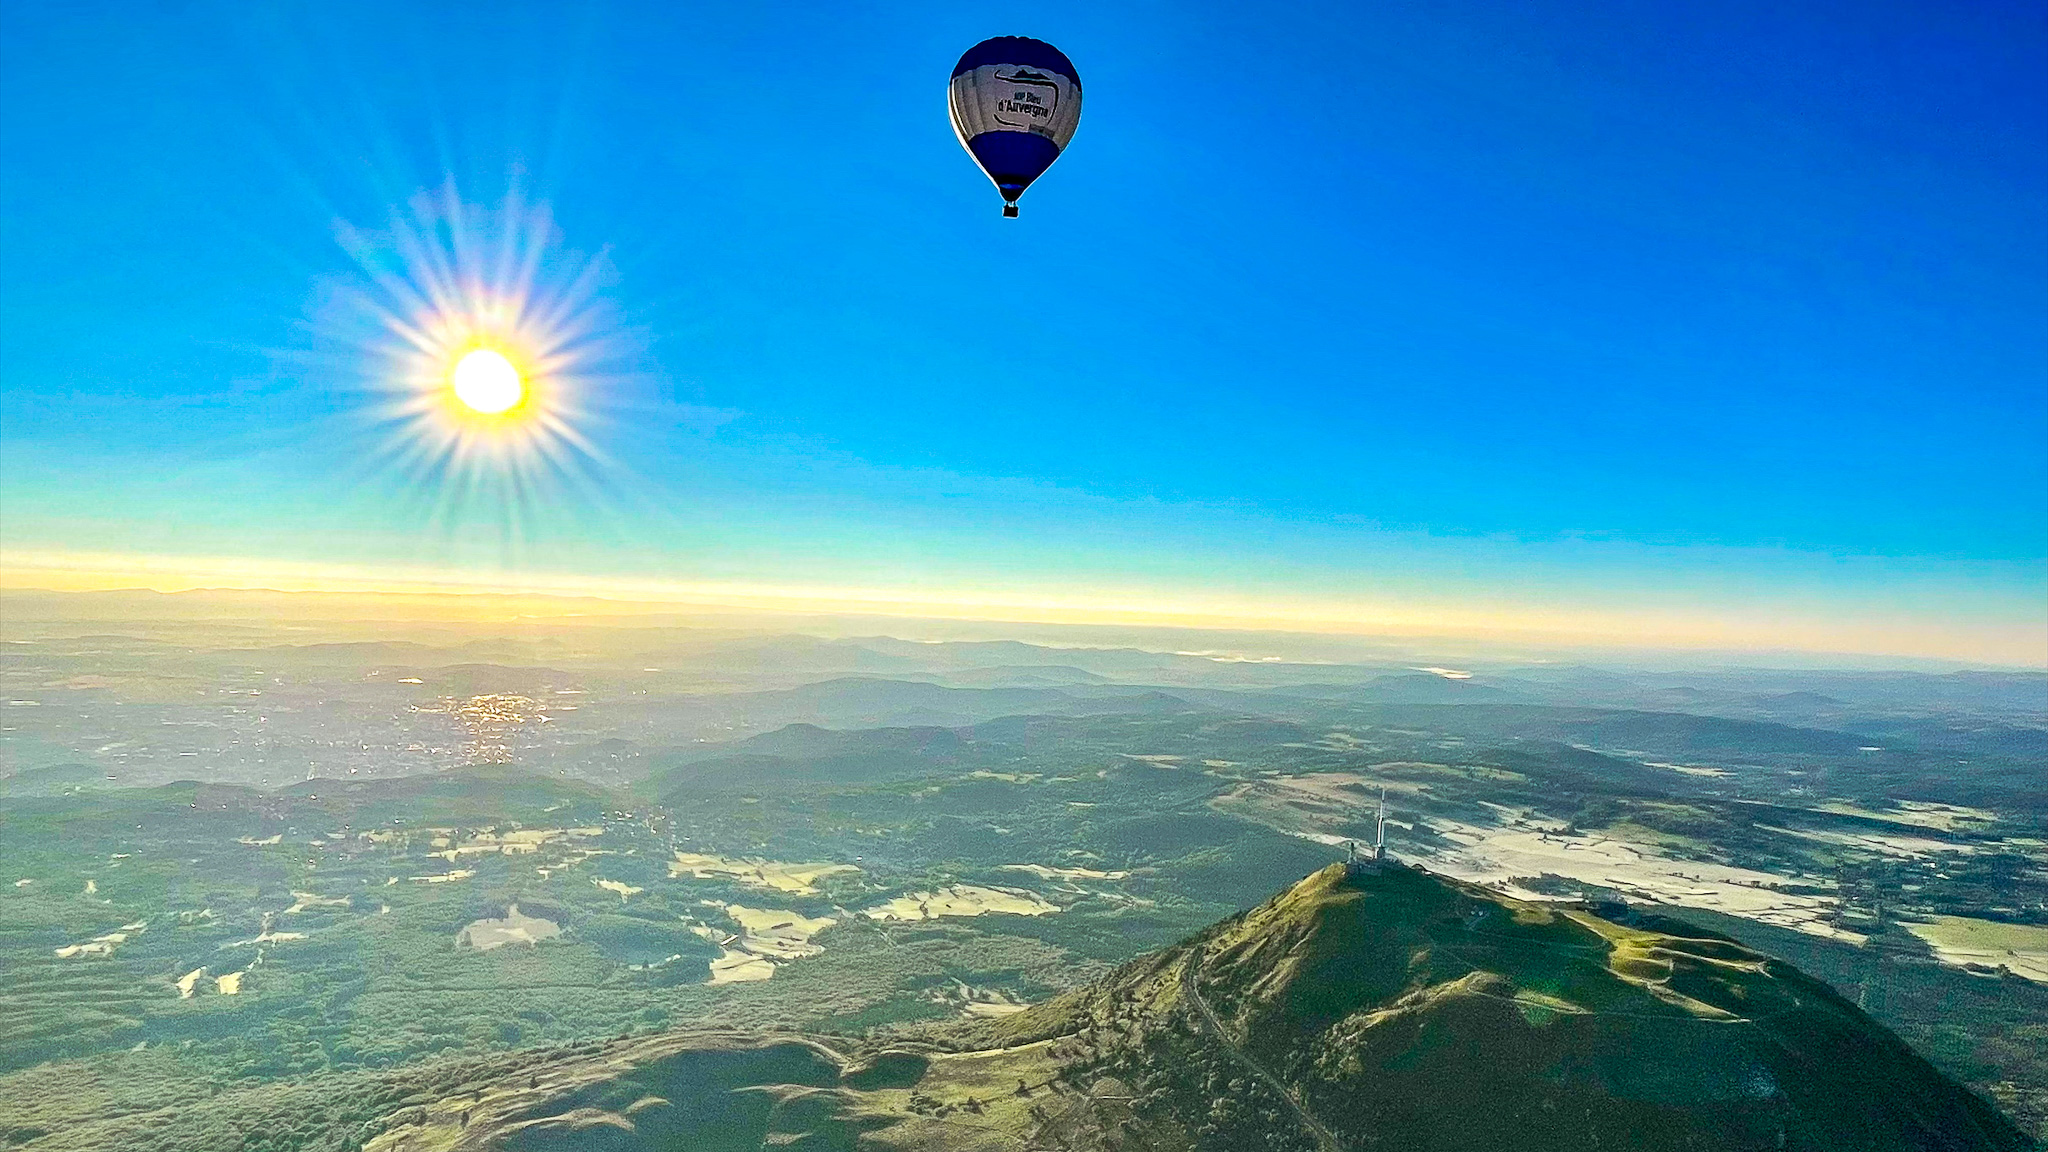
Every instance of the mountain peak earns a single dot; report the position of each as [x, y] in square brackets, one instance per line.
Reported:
[1356, 1010]
[1404, 1009]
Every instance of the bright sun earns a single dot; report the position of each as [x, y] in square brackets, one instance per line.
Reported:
[486, 382]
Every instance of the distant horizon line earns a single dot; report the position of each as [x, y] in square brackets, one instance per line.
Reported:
[1357, 620]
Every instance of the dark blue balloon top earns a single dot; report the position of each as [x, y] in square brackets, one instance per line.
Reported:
[1018, 50]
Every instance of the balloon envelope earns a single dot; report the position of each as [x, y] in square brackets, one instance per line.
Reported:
[1015, 103]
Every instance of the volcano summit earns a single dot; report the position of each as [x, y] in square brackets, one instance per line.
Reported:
[1356, 1010]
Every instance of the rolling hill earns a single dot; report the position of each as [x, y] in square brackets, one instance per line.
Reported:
[1394, 1009]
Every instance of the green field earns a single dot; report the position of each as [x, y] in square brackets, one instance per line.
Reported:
[297, 963]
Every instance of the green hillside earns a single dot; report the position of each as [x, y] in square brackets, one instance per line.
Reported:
[1386, 1010]
[1404, 1010]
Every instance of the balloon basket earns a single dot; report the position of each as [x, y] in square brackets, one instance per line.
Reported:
[1009, 211]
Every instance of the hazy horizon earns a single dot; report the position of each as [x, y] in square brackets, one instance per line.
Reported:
[484, 612]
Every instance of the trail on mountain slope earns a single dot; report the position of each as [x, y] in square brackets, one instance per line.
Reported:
[1325, 1139]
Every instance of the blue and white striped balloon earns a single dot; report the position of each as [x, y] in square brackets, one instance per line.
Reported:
[1015, 103]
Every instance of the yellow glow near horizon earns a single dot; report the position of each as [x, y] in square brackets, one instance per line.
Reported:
[458, 593]
[487, 382]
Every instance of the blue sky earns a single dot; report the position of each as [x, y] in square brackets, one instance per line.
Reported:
[1737, 313]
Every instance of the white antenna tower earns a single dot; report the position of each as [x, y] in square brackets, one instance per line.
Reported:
[1379, 844]
[1357, 863]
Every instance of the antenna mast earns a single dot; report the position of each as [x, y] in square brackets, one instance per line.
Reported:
[1379, 845]
[1358, 863]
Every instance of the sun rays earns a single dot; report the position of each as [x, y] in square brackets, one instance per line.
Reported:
[485, 347]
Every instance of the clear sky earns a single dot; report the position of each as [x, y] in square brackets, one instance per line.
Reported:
[1706, 324]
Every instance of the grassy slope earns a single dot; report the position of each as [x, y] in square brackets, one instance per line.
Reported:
[1409, 1008]
[1399, 1007]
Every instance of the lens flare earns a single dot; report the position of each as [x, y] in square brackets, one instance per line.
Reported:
[485, 349]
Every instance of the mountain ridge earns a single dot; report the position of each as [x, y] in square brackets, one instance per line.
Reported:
[1357, 1009]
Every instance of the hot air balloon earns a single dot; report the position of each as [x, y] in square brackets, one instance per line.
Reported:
[1015, 103]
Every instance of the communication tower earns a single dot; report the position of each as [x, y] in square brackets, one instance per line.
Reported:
[1371, 861]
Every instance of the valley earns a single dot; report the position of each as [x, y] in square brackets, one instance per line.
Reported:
[191, 954]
